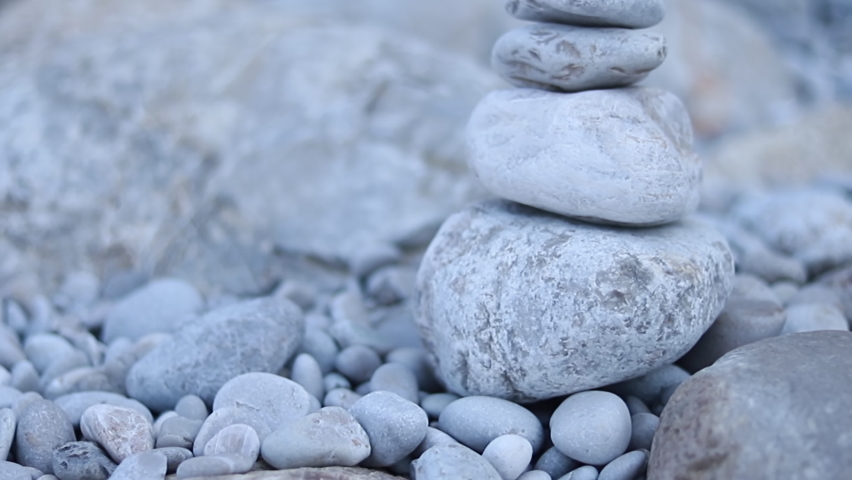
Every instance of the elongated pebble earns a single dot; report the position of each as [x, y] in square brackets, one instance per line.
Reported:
[592, 427]
[452, 462]
[509, 454]
[80, 379]
[8, 421]
[556, 463]
[340, 397]
[396, 378]
[210, 466]
[586, 472]
[11, 351]
[156, 307]
[192, 406]
[42, 349]
[42, 427]
[306, 371]
[321, 346]
[395, 426]
[625, 467]
[148, 465]
[9, 396]
[328, 437]
[121, 431]
[477, 420]
[14, 471]
[604, 13]
[348, 333]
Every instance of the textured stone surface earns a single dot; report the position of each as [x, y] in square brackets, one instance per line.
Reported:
[613, 13]
[516, 303]
[394, 426]
[121, 431]
[252, 336]
[567, 58]
[614, 156]
[82, 461]
[42, 427]
[784, 398]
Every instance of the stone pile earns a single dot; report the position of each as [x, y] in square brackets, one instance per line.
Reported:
[586, 272]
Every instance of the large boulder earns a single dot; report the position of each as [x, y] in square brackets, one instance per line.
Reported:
[517, 303]
[778, 408]
[203, 140]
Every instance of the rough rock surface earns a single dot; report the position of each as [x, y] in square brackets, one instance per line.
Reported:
[268, 114]
[555, 151]
[516, 303]
[777, 408]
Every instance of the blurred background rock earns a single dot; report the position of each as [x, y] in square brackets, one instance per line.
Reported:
[238, 142]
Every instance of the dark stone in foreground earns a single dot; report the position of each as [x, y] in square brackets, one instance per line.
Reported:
[777, 408]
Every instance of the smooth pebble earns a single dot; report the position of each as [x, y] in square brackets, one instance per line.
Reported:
[177, 431]
[306, 371]
[591, 427]
[509, 454]
[192, 406]
[643, 428]
[340, 397]
[477, 420]
[586, 472]
[8, 421]
[148, 465]
[394, 425]
[74, 404]
[396, 378]
[357, 363]
[435, 403]
[42, 427]
[555, 463]
[452, 462]
[814, 316]
[625, 467]
[158, 306]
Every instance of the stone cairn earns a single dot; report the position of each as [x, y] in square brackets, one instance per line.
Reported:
[586, 271]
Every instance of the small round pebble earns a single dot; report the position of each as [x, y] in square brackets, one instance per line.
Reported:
[308, 373]
[435, 403]
[625, 467]
[643, 430]
[340, 397]
[237, 441]
[587, 472]
[357, 363]
[42, 427]
[82, 461]
[509, 454]
[120, 431]
[592, 427]
[192, 406]
[7, 431]
[328, 437]
[394, 425]
[452, 462]
[396, 378]
[477, 420]
[555, 463]
[319, 344]
[149, 465]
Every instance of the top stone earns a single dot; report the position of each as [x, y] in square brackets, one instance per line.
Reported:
[590, 13]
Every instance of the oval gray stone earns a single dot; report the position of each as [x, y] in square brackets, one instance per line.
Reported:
[357, 362]
[592, 427]
[555, 295]
[177, 431]
[210, 466]
[394, 425]
[271, 398]
[174, 456]
[600, 13]
[477, 420]
[565, 58]
[328, 437]
[555, 463]
[192, 406]
[42, 427]
[724, 421]
[644, 426]
[625, 467]
[156, 307]
[306, 371]
[509, 454]
[252, 336]
[452, 462]
[224, 417]
[554, 151]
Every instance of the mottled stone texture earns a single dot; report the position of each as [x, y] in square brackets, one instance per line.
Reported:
[778, 408]
[516, 303]
[620, 156]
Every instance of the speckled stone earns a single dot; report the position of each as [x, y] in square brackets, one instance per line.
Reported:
[121, 431]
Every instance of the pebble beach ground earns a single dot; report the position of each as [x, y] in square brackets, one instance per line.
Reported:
[636, 326]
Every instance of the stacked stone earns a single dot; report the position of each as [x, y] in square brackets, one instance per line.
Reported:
[586, 271]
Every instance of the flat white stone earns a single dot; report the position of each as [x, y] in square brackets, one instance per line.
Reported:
[620, 156]
[557, 57]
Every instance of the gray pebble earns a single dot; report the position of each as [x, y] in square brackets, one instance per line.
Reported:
[817, 293]
[814, 316]
[210, 466]
[568, 58]
[335, 380]
[395, 426]
[149, 465]
[178, 431]
[9, 396]
[120, 284]
[328, 437]
[11, 351]
[77, 291]
[586, 472]
[62, 364]
[364, 388]
[85, 342]
[555, 463]
[340, 397]
[238, 442]
[644, 426]
[192, 406]
[120, 431]
[348, 333]
[82, 461]
[396, 378]
[8, 421]
[415, 359]
[252, 336]
[24, 376]
[509, 454]
[433, 438]
[156, 307]
[391, 284]
[14, 317]
[117, 366]
[592, 427]
[625, 467]
[535, 475]
[306, 371]
[42, 349]
[14, 471]
[357, 363]
[81, 379]
[452, 462]
[74, 404]
[740, 323]
[161, 419]
[477, 420]
[750, 287]
[174, 456]
[321, 346]
[602, 13]
[435, 403]
[784, 290]
[753, 256]
[636, 405]
[42, 427]
[23, 401]
[270, 398]
[226, 416]
[648, 387]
